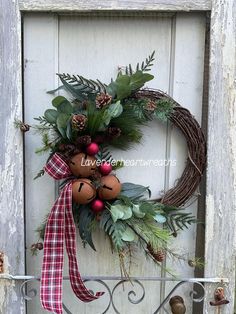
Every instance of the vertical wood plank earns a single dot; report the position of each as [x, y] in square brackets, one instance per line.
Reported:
[221, 171]
[187, 89]
[40, 66]
[11, 157]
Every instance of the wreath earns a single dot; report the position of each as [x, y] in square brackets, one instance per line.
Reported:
[79, 134]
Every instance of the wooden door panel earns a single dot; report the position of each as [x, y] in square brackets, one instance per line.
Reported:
[94, 47]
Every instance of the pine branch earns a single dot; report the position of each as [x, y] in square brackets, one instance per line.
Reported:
[179, 221]
[144, 67]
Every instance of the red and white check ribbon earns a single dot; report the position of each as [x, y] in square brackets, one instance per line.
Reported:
[60, 226]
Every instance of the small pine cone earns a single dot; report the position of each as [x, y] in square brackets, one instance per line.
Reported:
[24, 127]
[114, 132]
[84, 140]
[158, 255]
[103, 100]
[151, 105]
[78, 122]
[39, 246]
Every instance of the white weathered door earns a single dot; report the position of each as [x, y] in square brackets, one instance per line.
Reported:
[94, 46]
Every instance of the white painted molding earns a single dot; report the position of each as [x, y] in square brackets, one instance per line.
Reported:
[118, 5]
[11, 157]
[221, 171]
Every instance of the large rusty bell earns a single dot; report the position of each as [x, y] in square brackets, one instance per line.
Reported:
[177, 305]
[83, 191]
[110, 187]
[82, 165]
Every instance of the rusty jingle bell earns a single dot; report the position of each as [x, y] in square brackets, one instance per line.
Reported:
[82, 165]
[110, 187]
[177, 305]
[83, 191]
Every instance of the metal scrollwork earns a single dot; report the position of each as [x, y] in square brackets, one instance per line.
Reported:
[131, 293]
[28, 295]
[197, 295]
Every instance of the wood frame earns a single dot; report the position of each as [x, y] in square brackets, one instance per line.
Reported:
[221, 172]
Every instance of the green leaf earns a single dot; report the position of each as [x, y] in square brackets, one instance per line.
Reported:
[115, 109]
[137, 212]
[148, 208]
[160, 218]
[133, 190]
[119, 211]
[123, 88]
[58, 100]
[138, 79]
[69, 130]
[86, 218]
[62, 120]
[129, 235]
[62, 105]
[112, 89]
[51, 115]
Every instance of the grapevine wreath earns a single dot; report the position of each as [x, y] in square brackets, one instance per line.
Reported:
[79, 134]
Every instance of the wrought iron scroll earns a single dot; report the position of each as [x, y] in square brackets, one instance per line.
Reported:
[137, 282]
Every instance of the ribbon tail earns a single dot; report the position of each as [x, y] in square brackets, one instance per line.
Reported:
[76, 281]
[52, 269]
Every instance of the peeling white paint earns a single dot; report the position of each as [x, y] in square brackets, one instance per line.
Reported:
[84, 5]
[210, 217]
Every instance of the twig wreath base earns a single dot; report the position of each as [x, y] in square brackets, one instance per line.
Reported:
[190, 179]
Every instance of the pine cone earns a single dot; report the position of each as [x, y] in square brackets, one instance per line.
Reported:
[84, 140]
[114, 132]
[103, 100]
[151, 105]
[78, 122]
[158, 255]
[24, 127]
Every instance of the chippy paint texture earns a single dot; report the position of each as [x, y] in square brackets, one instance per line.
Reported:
[84, 5]
[11, 157]
[221, 172]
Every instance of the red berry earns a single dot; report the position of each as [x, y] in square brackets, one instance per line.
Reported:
[92, 149]
[97, 205]
[105, 168]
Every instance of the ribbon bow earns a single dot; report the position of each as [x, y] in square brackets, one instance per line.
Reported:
[60, 226]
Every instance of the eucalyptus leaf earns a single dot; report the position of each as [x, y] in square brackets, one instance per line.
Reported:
[51, 115]
[160, 218]
[112, 89]
[129, 235]
[115, 109]
[62, 120]
[137, 212]
[62, 104]
[119, 211]
[58, 100]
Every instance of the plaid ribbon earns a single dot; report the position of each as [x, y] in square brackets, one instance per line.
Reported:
[60, 226]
